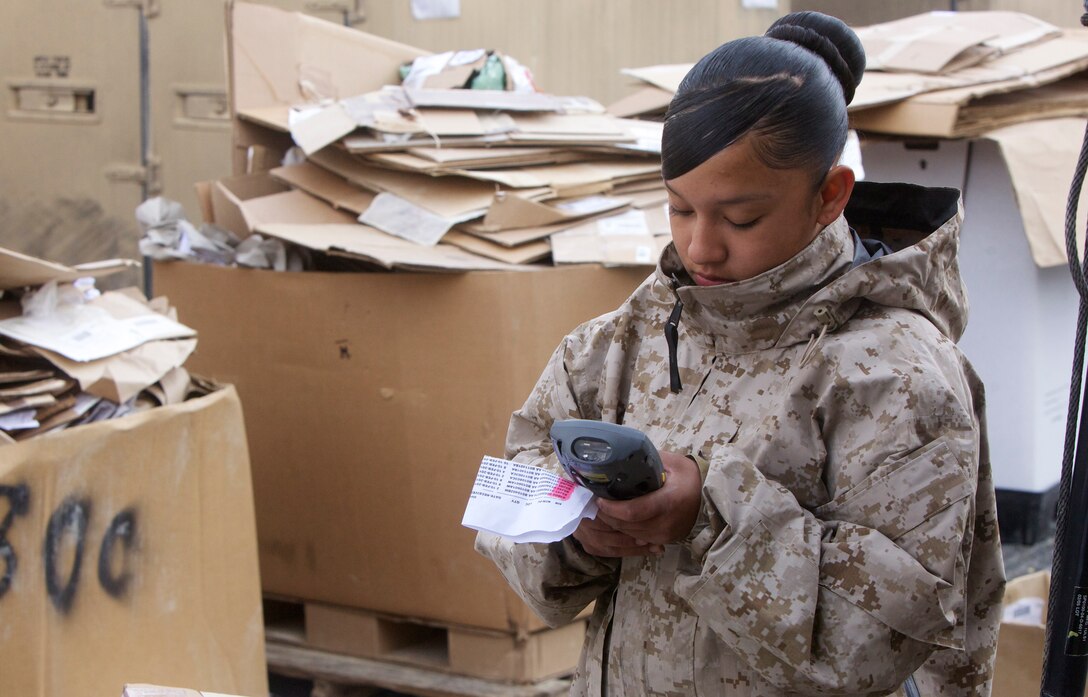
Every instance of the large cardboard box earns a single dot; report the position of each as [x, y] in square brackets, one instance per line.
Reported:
[1019, 667]
[127, 553]
[370, 400]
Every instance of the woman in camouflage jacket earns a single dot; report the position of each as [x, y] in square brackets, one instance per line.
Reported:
[827, 525]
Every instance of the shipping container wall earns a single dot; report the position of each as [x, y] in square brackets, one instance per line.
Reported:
[70, 129]
[190, 112]
[72, 171]
[575, 46]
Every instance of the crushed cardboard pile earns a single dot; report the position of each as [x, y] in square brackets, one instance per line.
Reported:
[414, 176]
[944, 74]
[70, 355]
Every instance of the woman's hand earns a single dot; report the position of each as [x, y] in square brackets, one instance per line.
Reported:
[642, 526]
[602, 540]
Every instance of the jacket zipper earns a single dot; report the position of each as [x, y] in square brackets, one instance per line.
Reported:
[672, 338]
[608, 643]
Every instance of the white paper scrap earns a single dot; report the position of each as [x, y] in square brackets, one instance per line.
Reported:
[629, 223]
[1024, 611]
[851, 155]
[524, 503]
[88, 335]
[312, 131]
[397, 216]
[18, 420]
[436, 9]
[588, 205]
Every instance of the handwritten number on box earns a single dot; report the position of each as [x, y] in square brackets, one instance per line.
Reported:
[18, 498]
[68, 526]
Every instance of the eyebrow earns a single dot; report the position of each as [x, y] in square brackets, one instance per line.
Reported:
[746, 198]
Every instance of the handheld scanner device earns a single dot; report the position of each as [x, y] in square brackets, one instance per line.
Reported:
[614, 462]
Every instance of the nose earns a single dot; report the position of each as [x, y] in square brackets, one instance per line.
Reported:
[707, 245]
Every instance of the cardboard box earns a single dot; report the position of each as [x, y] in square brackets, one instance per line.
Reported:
[127, 552]
[160, 691]
[1023, 309]
[370, 400]
[1019, 667]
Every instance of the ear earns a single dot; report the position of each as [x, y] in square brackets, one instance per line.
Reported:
[835, 193]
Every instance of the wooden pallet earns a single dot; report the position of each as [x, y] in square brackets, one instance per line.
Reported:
[341, 646]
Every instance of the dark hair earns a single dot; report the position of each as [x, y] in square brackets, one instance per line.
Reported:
[788, 88]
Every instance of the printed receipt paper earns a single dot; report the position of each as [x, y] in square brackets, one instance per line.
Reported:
[524, 503]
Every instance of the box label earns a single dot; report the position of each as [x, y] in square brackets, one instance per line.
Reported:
[65, 546]
[1076, 642]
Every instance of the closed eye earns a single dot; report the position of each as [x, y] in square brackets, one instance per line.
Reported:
[743, 226]
[673, 210]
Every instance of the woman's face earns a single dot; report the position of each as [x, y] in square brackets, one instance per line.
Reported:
[733, 217]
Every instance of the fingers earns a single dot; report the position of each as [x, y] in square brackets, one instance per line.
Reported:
[600, 539]
[662, 516]
[637, 510]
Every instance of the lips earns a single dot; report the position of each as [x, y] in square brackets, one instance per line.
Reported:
[702, 280]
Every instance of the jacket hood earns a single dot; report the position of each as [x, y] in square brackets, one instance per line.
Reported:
[822, 286]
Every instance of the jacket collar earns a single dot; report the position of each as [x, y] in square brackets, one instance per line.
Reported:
[751, 315]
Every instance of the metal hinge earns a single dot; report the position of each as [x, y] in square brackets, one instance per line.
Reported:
[352, 11]
[149, 177]
[150, 8]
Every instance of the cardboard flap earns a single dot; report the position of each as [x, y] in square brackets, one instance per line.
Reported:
[1041, 155]
[509, 211]
[293, 206]
[648, 100]
[487, 100]
[522, 254]
[451, 197]
[564, 177]
[931, 49]
[121, 377]
[634, 237]
[288, 58]
[227, 197]
[941, 41]
[278, 118]
[453, 159]
[19, 270]
[666, 77]
[570, 125]
[466, 156]
[326, 186]
[320, 128]
[381, 248]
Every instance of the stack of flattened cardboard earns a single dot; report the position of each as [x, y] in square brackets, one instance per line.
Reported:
[961, 74]
[440, 179]
[656, 86]
[70, 355]
[945, 74]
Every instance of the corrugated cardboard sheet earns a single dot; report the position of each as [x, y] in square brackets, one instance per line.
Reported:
[128, 554]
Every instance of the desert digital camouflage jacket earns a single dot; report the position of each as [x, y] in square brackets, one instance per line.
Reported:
[848, 536]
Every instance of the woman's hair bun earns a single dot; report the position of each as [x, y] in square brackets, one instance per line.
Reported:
[830, 39]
